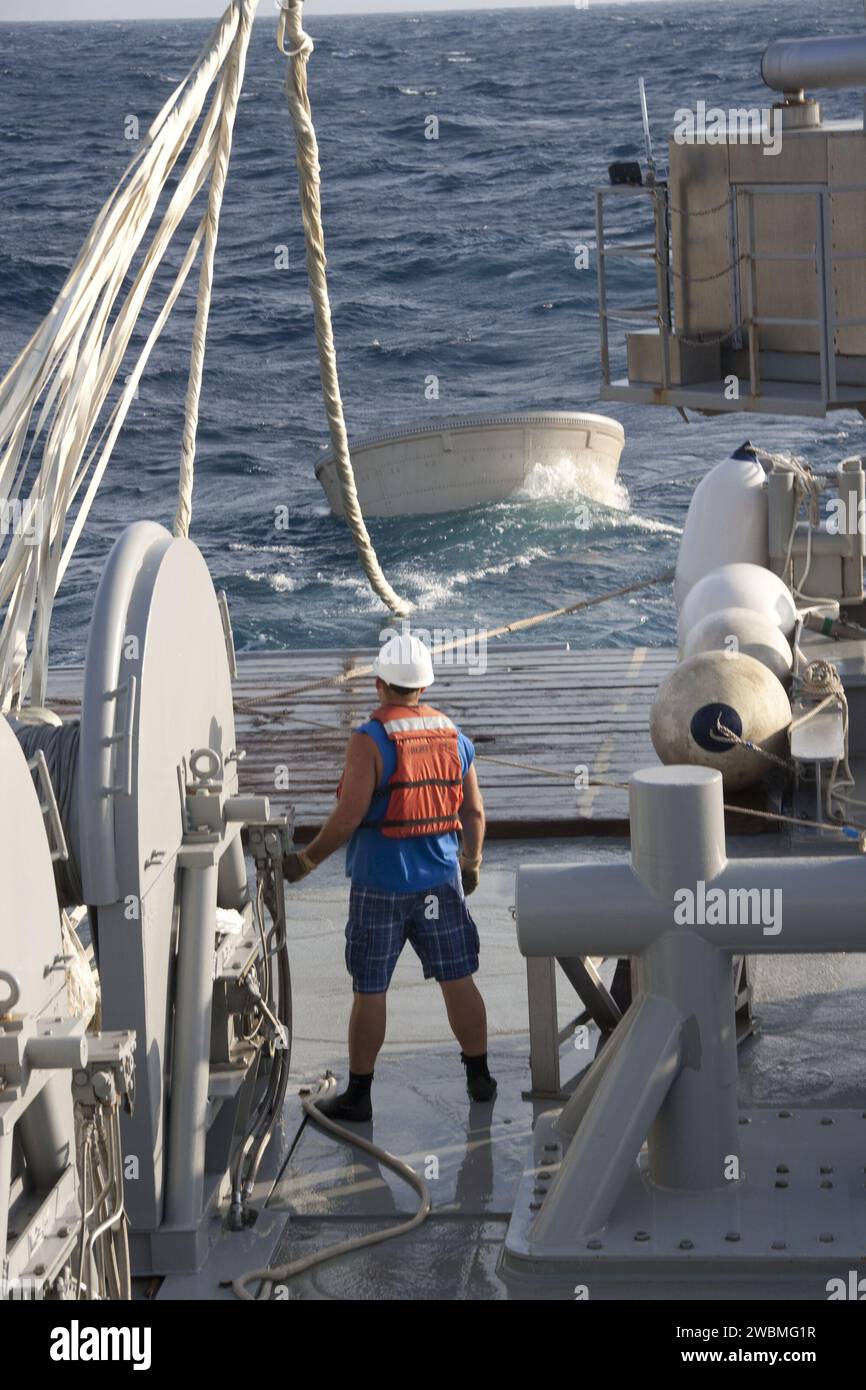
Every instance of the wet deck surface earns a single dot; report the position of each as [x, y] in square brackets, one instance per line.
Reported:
[543, 718]
[810, 1051]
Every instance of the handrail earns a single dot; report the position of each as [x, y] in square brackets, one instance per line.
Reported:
[823, 257]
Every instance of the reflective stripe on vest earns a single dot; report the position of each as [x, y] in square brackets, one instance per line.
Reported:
[426, 788]
[404, 726]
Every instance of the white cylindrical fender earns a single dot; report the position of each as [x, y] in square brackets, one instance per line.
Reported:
[726, 523]
[739, 586]
[733, 630]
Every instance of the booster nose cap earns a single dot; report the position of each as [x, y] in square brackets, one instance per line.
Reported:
[405, 661]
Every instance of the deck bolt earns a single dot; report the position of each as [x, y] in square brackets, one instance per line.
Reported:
[826, 1120]
[778, 1245]
[535, 1206]
[732, 1235]
[641, 1235]
[544, 1177]
[782, 1168]
[744, 1120]
[826, 1168]
[826, 1183]
[551, 1148]
[784, 1114]
[826, 1238]
[781, 1182]
[594, 1244]
[538, 1192]
[687, 1245]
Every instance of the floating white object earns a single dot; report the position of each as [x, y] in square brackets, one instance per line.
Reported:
[733, 630]
[739, 586]
[712, 692]
[473, 460]
[726, 523]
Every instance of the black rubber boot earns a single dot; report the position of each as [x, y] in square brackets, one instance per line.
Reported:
[480, 1085]
[354, 1104]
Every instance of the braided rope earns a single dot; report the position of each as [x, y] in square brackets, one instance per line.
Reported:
[299, 52]
[229, 94]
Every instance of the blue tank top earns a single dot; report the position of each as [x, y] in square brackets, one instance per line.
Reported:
[410, 865]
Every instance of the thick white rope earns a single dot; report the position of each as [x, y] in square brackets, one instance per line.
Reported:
[55, 392]
[232, 81]
[298, 50]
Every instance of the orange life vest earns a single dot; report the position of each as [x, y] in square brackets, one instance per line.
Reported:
[427, 784]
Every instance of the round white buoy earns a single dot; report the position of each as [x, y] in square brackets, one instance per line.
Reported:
[711, 693]
[739, 586]
[734, 630]
[726, 523]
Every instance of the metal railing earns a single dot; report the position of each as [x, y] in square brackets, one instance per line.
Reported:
[822, 257]
[657, 250]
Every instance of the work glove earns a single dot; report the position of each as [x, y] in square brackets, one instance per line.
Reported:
[470, 873]
[296, 866]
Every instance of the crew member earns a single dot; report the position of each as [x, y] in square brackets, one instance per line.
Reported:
[408, 786]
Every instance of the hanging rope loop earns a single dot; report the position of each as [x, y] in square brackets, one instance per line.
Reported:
[298, 51]
[304, 49]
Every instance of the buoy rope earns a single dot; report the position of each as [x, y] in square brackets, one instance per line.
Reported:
[850, 828]
[257, 703]
[726, 735]
[299, 51]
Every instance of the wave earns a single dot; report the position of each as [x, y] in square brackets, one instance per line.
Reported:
[576, 479]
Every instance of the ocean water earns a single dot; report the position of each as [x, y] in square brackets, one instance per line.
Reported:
[452, 257]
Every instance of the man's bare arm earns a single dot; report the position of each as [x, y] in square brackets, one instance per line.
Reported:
[359, 783]
[472, 817]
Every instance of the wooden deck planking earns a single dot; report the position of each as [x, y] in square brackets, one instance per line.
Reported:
[546, 708]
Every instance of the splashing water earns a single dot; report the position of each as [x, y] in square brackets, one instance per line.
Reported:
[585, 477]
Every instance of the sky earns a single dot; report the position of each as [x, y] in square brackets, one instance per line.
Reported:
[195, 9]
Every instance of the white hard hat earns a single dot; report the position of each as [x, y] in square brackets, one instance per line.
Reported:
[405, 661]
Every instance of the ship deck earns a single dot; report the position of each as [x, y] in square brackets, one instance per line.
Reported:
[808, 1051]
[548, 724]
[535, 714]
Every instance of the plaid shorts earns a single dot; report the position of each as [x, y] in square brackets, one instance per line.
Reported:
[436, 923]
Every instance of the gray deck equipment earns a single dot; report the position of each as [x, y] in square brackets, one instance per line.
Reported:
[649, 1176]
[49, 1247]
[153, 817]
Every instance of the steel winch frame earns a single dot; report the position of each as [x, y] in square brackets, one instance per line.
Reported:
[61, 1237]
[649, 1182]
[186, 965]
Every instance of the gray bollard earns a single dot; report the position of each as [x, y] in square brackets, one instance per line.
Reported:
[588, 1204]
[695, 1133]
[677, 840]
[677, 819]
